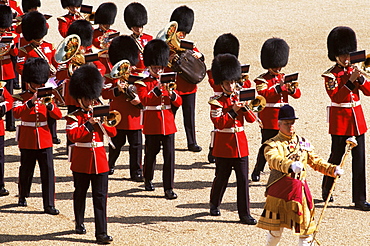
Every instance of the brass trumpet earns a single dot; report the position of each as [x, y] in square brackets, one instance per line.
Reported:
[255, 105]
[112, 119]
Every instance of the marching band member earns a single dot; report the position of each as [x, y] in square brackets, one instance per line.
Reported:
[230, 143]
[343, 84]
[66, 20]
[289, 202]
[184, 16]
[158, 120]
[270, 85]
[124, 48]
[6, 104]
[136, 17]
[6, 66]
[34, 138]
[88, 158]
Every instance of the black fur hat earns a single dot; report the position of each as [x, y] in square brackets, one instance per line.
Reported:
[29, 4]
[34, 26]
[341, 41]
[156, 53]
[86, 82]
[184, 16]
[135, 15]
[274, 53]
[6, 16]
[226, 43]
[84, 30]
[67, 3]
[105, 14]
[36, 70]
[225, 67]
[123, 47]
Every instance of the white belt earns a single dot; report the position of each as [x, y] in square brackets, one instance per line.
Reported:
[346, 105]
[89, 145]
[231, 130]
[275, 105]
[4, 57]
[159, 107]
[34, 124]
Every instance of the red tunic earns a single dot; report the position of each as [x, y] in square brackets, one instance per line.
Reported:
[64, 22]
[157, 121]
[268, 86]
[30, 136]
[130, 115]
[90, 160]
[6, 65]
[346, 117]
[142, 40]
[7, 105]
[97, 37]
[230, 140]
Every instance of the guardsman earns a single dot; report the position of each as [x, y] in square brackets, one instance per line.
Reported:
[230, 143]
[6, 104]
[130, 127]
[88, 159]
[270, 85]
[34, 138]
[184, 16]
[343, 83]
[65, 21]
[158, 120]
[136, 17]
[104, 17]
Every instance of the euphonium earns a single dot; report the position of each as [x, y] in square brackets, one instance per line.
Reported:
[168, 34]
[67, 49]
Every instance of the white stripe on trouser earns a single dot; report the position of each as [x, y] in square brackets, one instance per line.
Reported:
[273, 237]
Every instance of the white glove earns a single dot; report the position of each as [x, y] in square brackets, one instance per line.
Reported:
[297, 166]
[338, 171]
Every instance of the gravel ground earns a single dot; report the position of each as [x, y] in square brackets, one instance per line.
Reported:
[137, 217]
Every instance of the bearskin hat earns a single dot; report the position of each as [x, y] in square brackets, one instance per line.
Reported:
[6, 16]
[67, 3]
[84, 30]
[123, 47]
[105, 14]
[274, 53]
[184, 16]
[226, 43]
[225, 67]
[341, 41]
[29, 4]
[36, 70]
[86, 82]
[156, 53]
[34, 26]
[135, 15]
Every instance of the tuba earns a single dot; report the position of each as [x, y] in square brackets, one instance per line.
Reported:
[168, 34]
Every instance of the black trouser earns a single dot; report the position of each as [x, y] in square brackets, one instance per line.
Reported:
[99, 189]
[9, 118]
[261, 160]
[135, 139]
[52, 124]
[28, 161]
[338, 146]
[224, 167]
[2, 161]
[152, 147]
[70, 109]
[188, 113]
[16, 79]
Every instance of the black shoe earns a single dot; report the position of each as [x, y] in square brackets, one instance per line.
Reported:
[325, 196]
[3, 191]
[255, 176]
[138, 178]
[22, 202]
[169, 194]
[104, 239]
[194, 148]
[211, 158]
[56, 141]
[247, 219]
[80, 229]
[10, 129]
[111, 171]
[148, 185]
[51, 210]
[214, 211]
[365, 206]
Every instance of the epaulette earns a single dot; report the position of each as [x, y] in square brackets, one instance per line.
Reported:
[62, 18]
[108, 76]
[18, 96]
[270, 142]
[214, 101]
[331, 83]
[261, 78]
[23, 48]
[139, 82]
[328, 73]
[2, 84]
[72, 115]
